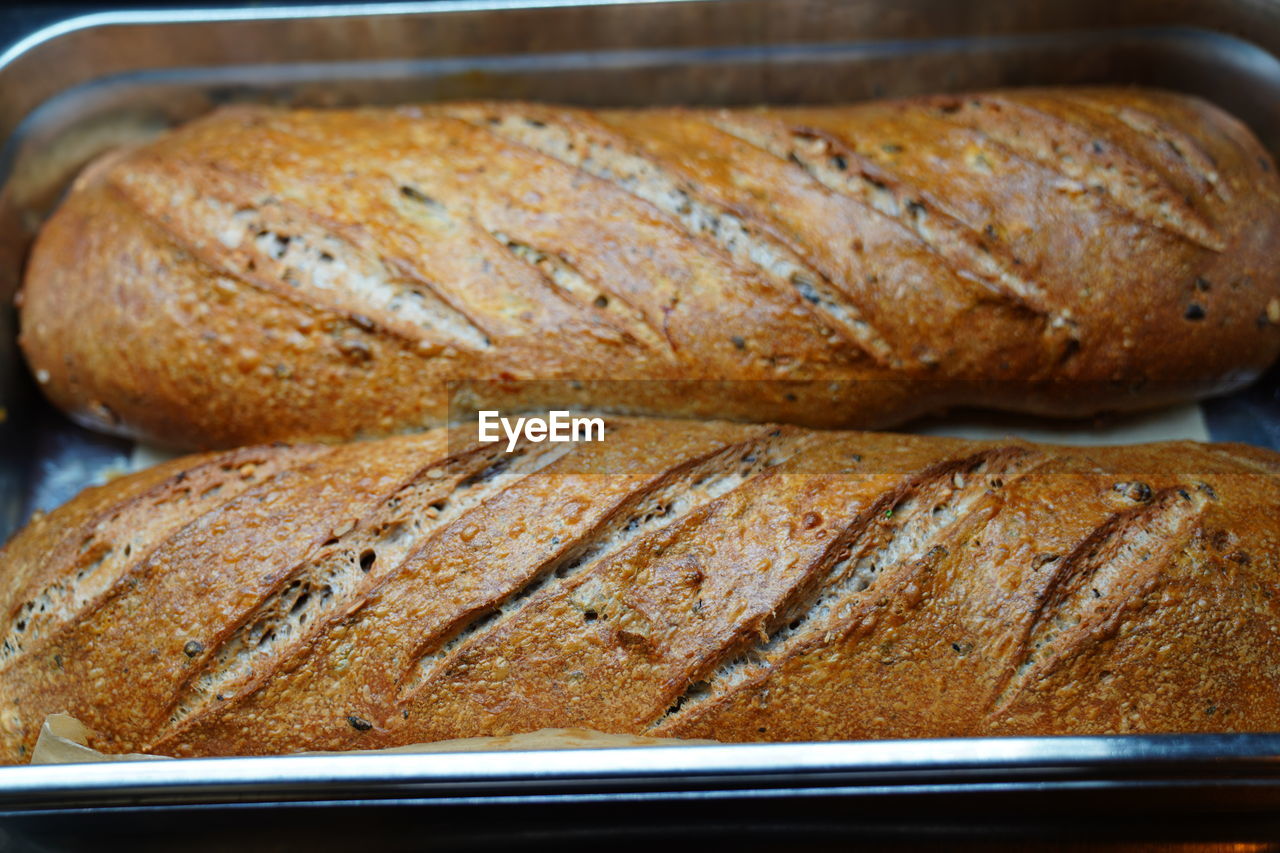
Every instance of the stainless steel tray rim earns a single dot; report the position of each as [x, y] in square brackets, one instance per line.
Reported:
[944, 755]
[618, 57]
[254, 13]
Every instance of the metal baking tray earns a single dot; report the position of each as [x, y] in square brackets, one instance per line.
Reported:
[87, 84]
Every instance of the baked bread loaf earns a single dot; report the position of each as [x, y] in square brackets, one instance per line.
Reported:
[264, 274]
[678, 578]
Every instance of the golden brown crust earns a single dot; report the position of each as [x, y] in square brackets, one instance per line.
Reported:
[679, 578]
[264, 274]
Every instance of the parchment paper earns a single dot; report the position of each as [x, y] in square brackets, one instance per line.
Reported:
[63, 740]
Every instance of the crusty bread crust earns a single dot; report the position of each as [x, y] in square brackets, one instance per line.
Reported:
[679, 578]
[265, 274]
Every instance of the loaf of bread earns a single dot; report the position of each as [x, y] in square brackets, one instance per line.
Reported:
[678, 578]
[265, 274]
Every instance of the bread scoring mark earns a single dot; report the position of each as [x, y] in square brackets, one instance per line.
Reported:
[609, 307]
[607, 155]
[1183, 145]
[272, 238]
[338, 579]
[119, 539]
[833, 163]
[691, 487]
[1088, 161]
[1094, 582]
[279, 247]
[908, 524]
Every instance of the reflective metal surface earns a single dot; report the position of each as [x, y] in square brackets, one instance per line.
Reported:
[81, 87]
[872, 765]
[1115, 788]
